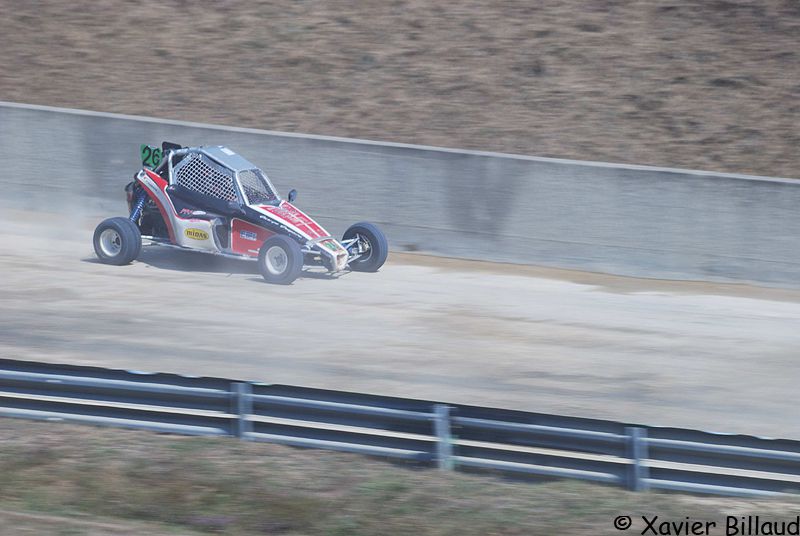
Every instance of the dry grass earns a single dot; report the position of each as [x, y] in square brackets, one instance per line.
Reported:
[709, 84]
[232, 487]
[30, 524]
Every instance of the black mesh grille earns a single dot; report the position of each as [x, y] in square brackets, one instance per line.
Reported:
[198, 173]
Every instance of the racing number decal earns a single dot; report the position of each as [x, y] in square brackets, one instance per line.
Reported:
[151, 156]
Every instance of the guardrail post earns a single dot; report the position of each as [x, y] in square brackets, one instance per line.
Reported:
[242, 408]
[444, 441]
[637, 451]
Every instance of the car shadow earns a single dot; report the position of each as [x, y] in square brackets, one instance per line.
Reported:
[305, 274]
[192, 261]
[91, 260]
[189, 261]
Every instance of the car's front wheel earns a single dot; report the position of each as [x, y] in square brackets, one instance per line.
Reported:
[372, 245]
[117, 241]
[280, 260]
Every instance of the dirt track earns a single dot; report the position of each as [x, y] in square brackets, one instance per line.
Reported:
[711, 85]
[688, 354]
[703, 84]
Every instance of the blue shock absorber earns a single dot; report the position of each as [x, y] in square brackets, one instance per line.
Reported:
[137, 208]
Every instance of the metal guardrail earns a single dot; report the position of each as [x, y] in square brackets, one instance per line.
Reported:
[445, 435]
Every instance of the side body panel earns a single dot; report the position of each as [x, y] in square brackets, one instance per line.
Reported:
[246, 238]
[187, 232]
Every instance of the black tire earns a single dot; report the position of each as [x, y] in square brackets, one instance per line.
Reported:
[280, 260]
[378, 246]
[117, 241]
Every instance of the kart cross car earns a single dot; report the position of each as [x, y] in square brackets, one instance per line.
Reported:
[212, 200]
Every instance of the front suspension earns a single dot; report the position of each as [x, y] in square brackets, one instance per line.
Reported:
[137, 207]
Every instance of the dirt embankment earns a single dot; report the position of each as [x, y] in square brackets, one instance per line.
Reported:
[691, 83]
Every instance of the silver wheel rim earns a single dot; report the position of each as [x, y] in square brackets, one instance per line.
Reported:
[368, 244]
[276, 260]
[110, 243]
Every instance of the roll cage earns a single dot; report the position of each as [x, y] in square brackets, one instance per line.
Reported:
[217, 172]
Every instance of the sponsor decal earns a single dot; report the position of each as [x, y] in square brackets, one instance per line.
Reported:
[248, 235]
[196, 234]
[186, 211]
[331, 245]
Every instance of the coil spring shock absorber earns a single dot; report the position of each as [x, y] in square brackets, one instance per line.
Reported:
[137, 208]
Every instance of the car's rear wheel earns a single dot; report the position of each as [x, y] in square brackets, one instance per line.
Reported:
[117, 241]
[280, 260]
[372, 242]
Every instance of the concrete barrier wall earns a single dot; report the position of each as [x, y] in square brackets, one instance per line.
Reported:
[629, 220]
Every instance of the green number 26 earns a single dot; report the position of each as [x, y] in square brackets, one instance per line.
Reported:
[151, 156]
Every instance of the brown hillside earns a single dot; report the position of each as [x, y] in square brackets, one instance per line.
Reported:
[710, 84]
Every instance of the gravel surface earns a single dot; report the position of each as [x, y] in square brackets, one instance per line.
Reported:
[716, 357]
[702, 84]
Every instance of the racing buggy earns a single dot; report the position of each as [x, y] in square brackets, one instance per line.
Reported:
[212, 200]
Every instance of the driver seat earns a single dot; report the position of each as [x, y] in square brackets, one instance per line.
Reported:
[196, 205]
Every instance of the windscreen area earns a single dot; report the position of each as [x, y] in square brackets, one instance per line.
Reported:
[257, 188]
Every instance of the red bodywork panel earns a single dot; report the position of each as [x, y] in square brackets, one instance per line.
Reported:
[162, 185]
[246, 238]
[292, 215]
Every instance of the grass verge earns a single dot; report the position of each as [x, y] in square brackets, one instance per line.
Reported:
[222, 485]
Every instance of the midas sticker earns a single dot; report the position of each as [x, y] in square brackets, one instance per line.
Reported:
[196, 234]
